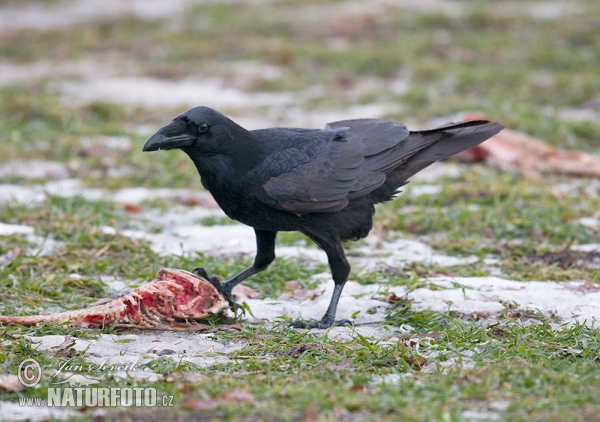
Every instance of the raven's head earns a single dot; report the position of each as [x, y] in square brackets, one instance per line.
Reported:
[200, 130]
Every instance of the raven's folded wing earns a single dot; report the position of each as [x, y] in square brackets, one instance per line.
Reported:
[320, 171]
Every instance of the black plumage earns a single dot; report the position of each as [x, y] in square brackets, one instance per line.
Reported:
[321, 182]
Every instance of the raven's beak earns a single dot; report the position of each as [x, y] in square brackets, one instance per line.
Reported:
[171, 136]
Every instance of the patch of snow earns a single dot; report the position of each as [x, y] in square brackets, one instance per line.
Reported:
[473, 415]
[153, 92]
[184, 239]
[124, 354]
[437, 171]
[248, 72]
[180, 235]
[214, 92]
[418, 190]
[391, 379]
[376, 331]
[34, 169]
[12, 73]
[578, 115]
[115, 285]
[579, 186]
[109, 230]
[139, 194]
[41, 16]
[21, 194]
[68, 188]
[8, 229]
[463, 360]
[499, 405]
[312, 254]
[394, 254]
[466, 302]
[355, 297]
[472, 295]
[51, 342]
[117, 143]
[590, 222]
[299, 117]
[401, 82]
[12, 411]
[590, 247]
[42, 246]
[227, 239]
[552, 10]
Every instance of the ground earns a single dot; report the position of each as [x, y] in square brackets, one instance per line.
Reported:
[474, 298]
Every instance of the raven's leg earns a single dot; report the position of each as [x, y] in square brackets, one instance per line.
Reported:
[340, 269]
[265, 254]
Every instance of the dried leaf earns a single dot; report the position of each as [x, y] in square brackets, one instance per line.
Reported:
[585, 287]
[391, 298]
[133, 208]
[342, 365]
[302, 294]
[293, 285]
[244, 292]
[64, 349]
[410, 342]
[195, 200]
[238, 395]
[417, 363]
[359, 388]
[69, 341]
[311, 413]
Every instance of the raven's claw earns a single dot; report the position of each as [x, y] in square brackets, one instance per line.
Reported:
[224, 288]
[323, 324]
[199, 271]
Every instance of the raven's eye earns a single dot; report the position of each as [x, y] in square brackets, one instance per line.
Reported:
[203, 127]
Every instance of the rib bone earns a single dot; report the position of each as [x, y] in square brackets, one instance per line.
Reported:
[173, 294]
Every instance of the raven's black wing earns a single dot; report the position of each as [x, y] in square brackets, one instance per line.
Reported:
[320, 171]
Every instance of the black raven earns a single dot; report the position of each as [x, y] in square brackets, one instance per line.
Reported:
[321, 182]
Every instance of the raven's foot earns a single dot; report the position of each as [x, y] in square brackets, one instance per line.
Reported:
[323, 324]
[224, 288]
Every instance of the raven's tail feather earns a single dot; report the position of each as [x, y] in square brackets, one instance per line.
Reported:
[453, 138]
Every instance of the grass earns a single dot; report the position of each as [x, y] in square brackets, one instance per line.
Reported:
[525, 370]
[503, 215]
[423, 365]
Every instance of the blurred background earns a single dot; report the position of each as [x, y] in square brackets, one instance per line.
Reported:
[84, 214]
[84, 82]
